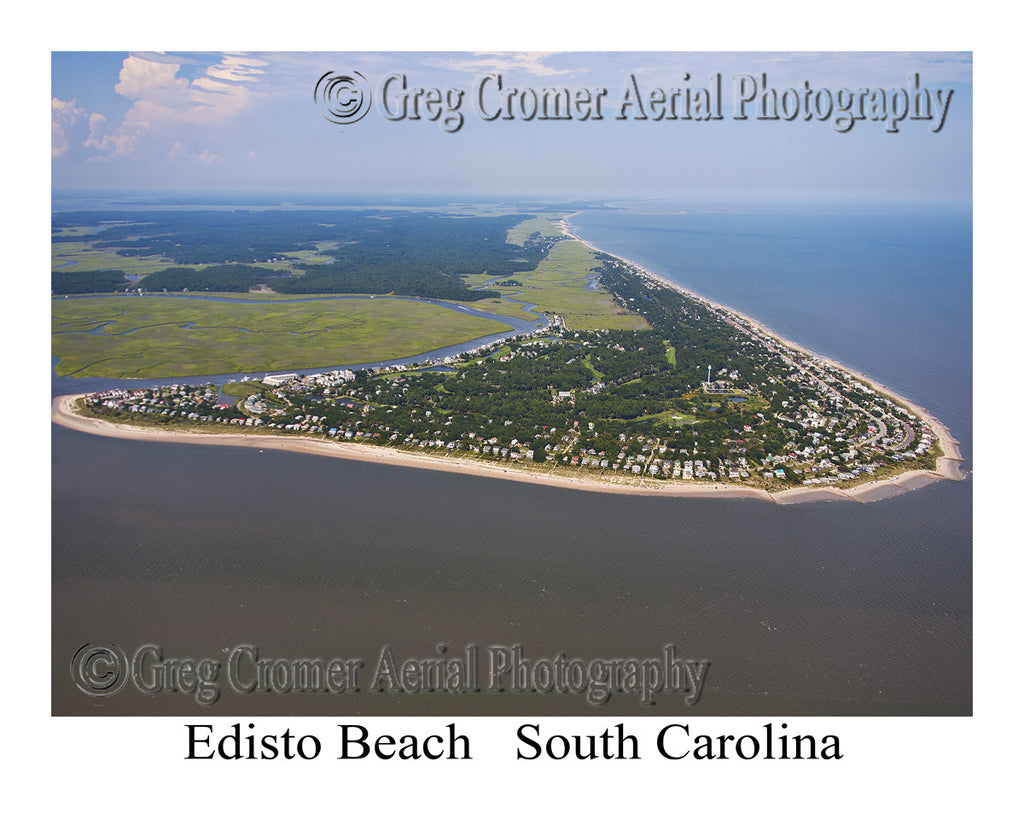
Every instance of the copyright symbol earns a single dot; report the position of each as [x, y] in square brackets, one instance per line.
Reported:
[99, 670]
[344, 98]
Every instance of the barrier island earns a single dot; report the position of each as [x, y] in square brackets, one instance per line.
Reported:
[673, 395]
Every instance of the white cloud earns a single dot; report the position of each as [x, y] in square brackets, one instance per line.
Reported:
[532, 63]
[162, 97]
[63, 117]
[237, 68]
[121, 142]
[171, 111]
[180, 152]
[145, 79]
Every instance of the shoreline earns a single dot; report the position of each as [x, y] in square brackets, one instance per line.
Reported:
[62, 412]
[948, 464]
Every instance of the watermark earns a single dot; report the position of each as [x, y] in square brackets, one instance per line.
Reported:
[345, 98]
[102, 670]
[99, 670]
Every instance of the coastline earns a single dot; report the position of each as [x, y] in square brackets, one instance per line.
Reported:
[948, 464]
[62, 412]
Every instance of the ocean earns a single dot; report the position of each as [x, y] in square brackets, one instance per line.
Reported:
[812, 609]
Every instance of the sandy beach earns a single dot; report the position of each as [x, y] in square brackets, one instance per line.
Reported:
[948, 464]
[63, 413]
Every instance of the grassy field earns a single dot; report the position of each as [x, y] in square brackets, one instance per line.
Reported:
[242, 389]
[670, 418]
[558, 285]
[545, 225]
[156, 337]
[85, 259]
[670, 354]
[150, 337]
[321, 256]
[80, 257]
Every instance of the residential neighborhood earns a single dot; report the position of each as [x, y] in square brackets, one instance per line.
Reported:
[709, 397]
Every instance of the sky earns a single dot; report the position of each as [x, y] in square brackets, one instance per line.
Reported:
[253, 122]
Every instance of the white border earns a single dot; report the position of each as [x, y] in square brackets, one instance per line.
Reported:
[935, 767]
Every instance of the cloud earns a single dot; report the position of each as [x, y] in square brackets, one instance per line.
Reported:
[121, 142]
[176, 105]
[146, 79]
[161, 96]
[180, 152]
[237, 68]
[532, 63]
[63, 118]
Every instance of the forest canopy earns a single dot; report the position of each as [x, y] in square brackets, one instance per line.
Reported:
[411, 254]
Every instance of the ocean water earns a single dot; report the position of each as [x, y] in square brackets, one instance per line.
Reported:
[885, 291]
[812, 609]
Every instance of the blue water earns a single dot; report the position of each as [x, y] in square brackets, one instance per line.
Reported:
[886, 293]
[821, 608]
